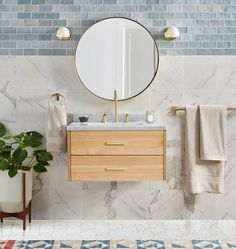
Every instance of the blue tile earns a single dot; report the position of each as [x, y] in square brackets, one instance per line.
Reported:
[16, 51]
[45, 51]
[45, 8]
[59, 51]
[59, 23]
[4, 37]
[38, 1]
[203, 24]
[52, 15]
[16, 37]
[152, 2]
[66, 1]
[9, 44]
[30, 51]
[38, 15]
[23, 15]
[24, 1]
[23, 30]
[31, 37]
[4, 51]
[9, 29]
[45, 37]
[109, 1]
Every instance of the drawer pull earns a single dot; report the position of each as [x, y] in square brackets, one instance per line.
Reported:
[115, 169]
[115, 144]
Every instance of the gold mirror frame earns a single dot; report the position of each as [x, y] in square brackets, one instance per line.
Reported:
[158, 56]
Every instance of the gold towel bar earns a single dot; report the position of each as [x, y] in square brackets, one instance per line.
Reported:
[175, 109]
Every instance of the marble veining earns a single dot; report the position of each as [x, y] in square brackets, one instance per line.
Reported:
[27, 82]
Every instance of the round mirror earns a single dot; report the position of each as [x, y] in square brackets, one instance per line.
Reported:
[117, 54]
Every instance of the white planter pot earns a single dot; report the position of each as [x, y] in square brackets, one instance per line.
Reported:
[11, 193]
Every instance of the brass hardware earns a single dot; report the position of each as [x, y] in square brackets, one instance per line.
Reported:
[126, 119]
[175, 109]
[104, 118]
[116, 107]
[115, 144]
[115, 169]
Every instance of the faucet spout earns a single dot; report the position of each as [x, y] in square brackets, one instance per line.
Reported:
[116, 107]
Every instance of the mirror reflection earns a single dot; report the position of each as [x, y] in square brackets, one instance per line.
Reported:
[117, 54]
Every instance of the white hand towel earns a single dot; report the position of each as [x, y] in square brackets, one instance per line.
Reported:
[213, 122]
[56, 126]
[201, 176]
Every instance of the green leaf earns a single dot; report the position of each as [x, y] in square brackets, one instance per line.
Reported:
[19, 137]
[7, 137]
[35, 138]
[26, 168]
[2, 143]
[43, 155]
[5, 151]
[12, 172]
[23, 139]
[44, 163]
[19, 155]
[2, 130]
[4, 164]
[40, 168]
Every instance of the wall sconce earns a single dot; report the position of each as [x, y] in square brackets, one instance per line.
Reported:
[171, 33]
[63, 33]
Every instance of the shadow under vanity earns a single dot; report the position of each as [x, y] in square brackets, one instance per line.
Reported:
[116, 59]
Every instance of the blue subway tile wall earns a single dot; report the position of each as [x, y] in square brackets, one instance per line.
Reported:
[28, 27]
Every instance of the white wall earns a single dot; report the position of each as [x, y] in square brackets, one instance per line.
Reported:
[25, 85]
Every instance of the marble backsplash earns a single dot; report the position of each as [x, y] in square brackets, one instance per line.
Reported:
[26, 83]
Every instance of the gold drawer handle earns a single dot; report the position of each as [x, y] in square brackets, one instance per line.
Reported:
[115, 169]
[115, 144]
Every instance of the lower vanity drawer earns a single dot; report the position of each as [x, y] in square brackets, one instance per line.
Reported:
[117, 168]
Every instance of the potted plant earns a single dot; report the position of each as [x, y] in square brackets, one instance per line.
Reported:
[18, 155]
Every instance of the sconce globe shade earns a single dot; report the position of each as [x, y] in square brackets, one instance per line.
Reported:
[171, 33]
[63, 33]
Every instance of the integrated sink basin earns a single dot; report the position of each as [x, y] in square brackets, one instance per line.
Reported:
[114, 126]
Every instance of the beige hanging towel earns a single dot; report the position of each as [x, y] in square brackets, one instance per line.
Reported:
[202, 176]
[213, 126]
[56, 125]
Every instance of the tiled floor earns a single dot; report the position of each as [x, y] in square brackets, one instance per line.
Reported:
[116, 230]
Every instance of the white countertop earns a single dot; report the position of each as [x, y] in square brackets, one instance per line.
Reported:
[114, 126]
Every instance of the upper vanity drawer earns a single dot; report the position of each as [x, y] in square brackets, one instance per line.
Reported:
[117, 142]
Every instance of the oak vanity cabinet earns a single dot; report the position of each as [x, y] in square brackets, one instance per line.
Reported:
[116, 155]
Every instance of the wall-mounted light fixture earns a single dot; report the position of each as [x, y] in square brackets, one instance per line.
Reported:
[63, 33]
[171, 33]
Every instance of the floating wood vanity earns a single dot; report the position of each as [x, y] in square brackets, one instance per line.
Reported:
[115, 153]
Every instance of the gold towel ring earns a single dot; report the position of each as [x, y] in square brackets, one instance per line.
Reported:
[57, 95]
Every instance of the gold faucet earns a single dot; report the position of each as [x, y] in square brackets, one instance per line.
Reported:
[126, 119]
[104, 118]
[116, 107]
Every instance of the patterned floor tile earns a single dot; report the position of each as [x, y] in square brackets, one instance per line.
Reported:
[150, 244]
[123, 244]
[214, 244]
[117, 244]
[40, 244]
[66, 244]
[7, 244]
[178, 245]
[95, 244]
